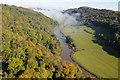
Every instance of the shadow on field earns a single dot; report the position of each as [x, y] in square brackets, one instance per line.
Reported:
[107, 46]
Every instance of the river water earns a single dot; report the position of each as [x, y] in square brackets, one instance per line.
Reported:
[66, 51]
[65, 54]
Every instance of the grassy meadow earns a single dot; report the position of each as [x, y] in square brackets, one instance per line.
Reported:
[90, 55]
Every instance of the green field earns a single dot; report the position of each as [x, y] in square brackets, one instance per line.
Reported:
[90, 55]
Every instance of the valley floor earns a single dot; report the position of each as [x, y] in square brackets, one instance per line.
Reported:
[90, 55]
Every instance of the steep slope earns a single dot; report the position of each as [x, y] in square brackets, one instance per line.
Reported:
[29, 47]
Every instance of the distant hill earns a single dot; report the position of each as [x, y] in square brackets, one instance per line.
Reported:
[29, 47]
[106, 23]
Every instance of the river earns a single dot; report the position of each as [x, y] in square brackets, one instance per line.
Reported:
[66, 51]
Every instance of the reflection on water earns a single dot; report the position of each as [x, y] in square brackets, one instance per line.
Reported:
[65, 55]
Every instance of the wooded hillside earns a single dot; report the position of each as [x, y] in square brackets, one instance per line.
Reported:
[29, 47]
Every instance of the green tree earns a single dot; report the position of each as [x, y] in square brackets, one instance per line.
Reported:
[15, 65]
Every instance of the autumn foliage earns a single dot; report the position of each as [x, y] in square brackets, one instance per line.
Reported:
[31, 44]
[69, 70]
[39, 53]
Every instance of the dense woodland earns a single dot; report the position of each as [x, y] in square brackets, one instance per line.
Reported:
[104, 22]
[29, 47]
